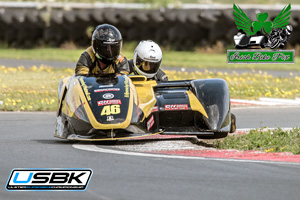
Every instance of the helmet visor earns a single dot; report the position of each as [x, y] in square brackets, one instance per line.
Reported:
[108, 50]
[150, 67]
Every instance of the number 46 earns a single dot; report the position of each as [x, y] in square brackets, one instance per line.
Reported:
[111, 110]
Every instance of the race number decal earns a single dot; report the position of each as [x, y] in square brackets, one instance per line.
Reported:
[111, 110]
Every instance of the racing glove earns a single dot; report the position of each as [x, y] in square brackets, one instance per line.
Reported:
[161, 76]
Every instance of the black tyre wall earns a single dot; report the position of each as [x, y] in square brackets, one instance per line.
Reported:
[182, 29]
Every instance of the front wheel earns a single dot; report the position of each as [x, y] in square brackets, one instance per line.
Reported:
[62, 129]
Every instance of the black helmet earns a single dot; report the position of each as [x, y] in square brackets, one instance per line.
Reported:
[107, 42]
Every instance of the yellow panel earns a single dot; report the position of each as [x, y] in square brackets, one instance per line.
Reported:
[145, 93]
[195, 104]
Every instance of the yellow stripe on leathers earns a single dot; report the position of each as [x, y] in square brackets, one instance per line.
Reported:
[146, 96]
[195, 104]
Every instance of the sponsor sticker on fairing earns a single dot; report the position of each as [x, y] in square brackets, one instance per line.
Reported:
[176, 107]
[126, 85]
[109, 102]
[150, 123]
[85, 89]
[154, 109]
[108, 96]
[107, 90]
[100, 86]
[48, 179]
[110, 118]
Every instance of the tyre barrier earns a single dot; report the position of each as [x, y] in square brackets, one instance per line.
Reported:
[181, 29]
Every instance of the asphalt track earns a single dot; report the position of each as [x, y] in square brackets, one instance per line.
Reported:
[27, 142]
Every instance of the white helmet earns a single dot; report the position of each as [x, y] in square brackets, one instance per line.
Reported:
[147, 58]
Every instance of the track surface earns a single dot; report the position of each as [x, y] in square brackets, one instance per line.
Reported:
[27, 142]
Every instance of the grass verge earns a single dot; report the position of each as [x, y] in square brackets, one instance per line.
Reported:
[170, 58]
[276, 140]
[35, 88]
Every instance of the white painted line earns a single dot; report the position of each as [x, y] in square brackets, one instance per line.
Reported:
[94, 148]
[254, 102]
[262, 129]
[266, 101]
[283, 101]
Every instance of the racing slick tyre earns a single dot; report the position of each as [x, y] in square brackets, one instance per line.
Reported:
[67, 129]
[233, 123]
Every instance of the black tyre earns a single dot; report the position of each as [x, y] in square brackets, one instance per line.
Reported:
[233, 123]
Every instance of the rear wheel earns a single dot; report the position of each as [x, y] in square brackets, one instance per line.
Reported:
[233, 126]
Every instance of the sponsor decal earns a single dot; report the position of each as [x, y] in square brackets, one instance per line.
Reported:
[154, 109]
[176, 107]
[108, 96]
[262, 34]
[109, 102]
[110, 118]
[100, 86]
[48, 179]
[150, 123]
[107, 90]
[85, 89]
[126, 82]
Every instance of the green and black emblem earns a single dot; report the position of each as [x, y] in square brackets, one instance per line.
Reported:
[261, 32]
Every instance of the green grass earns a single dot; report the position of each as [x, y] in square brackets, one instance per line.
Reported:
[32, 89]
[170, 58]
[249, 85]
[276, 140]
[35, 89]
[53, 54]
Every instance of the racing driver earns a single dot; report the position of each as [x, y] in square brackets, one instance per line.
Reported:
[146, 61]
[103, 57]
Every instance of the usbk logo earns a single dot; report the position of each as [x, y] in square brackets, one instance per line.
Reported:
[49, 179]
